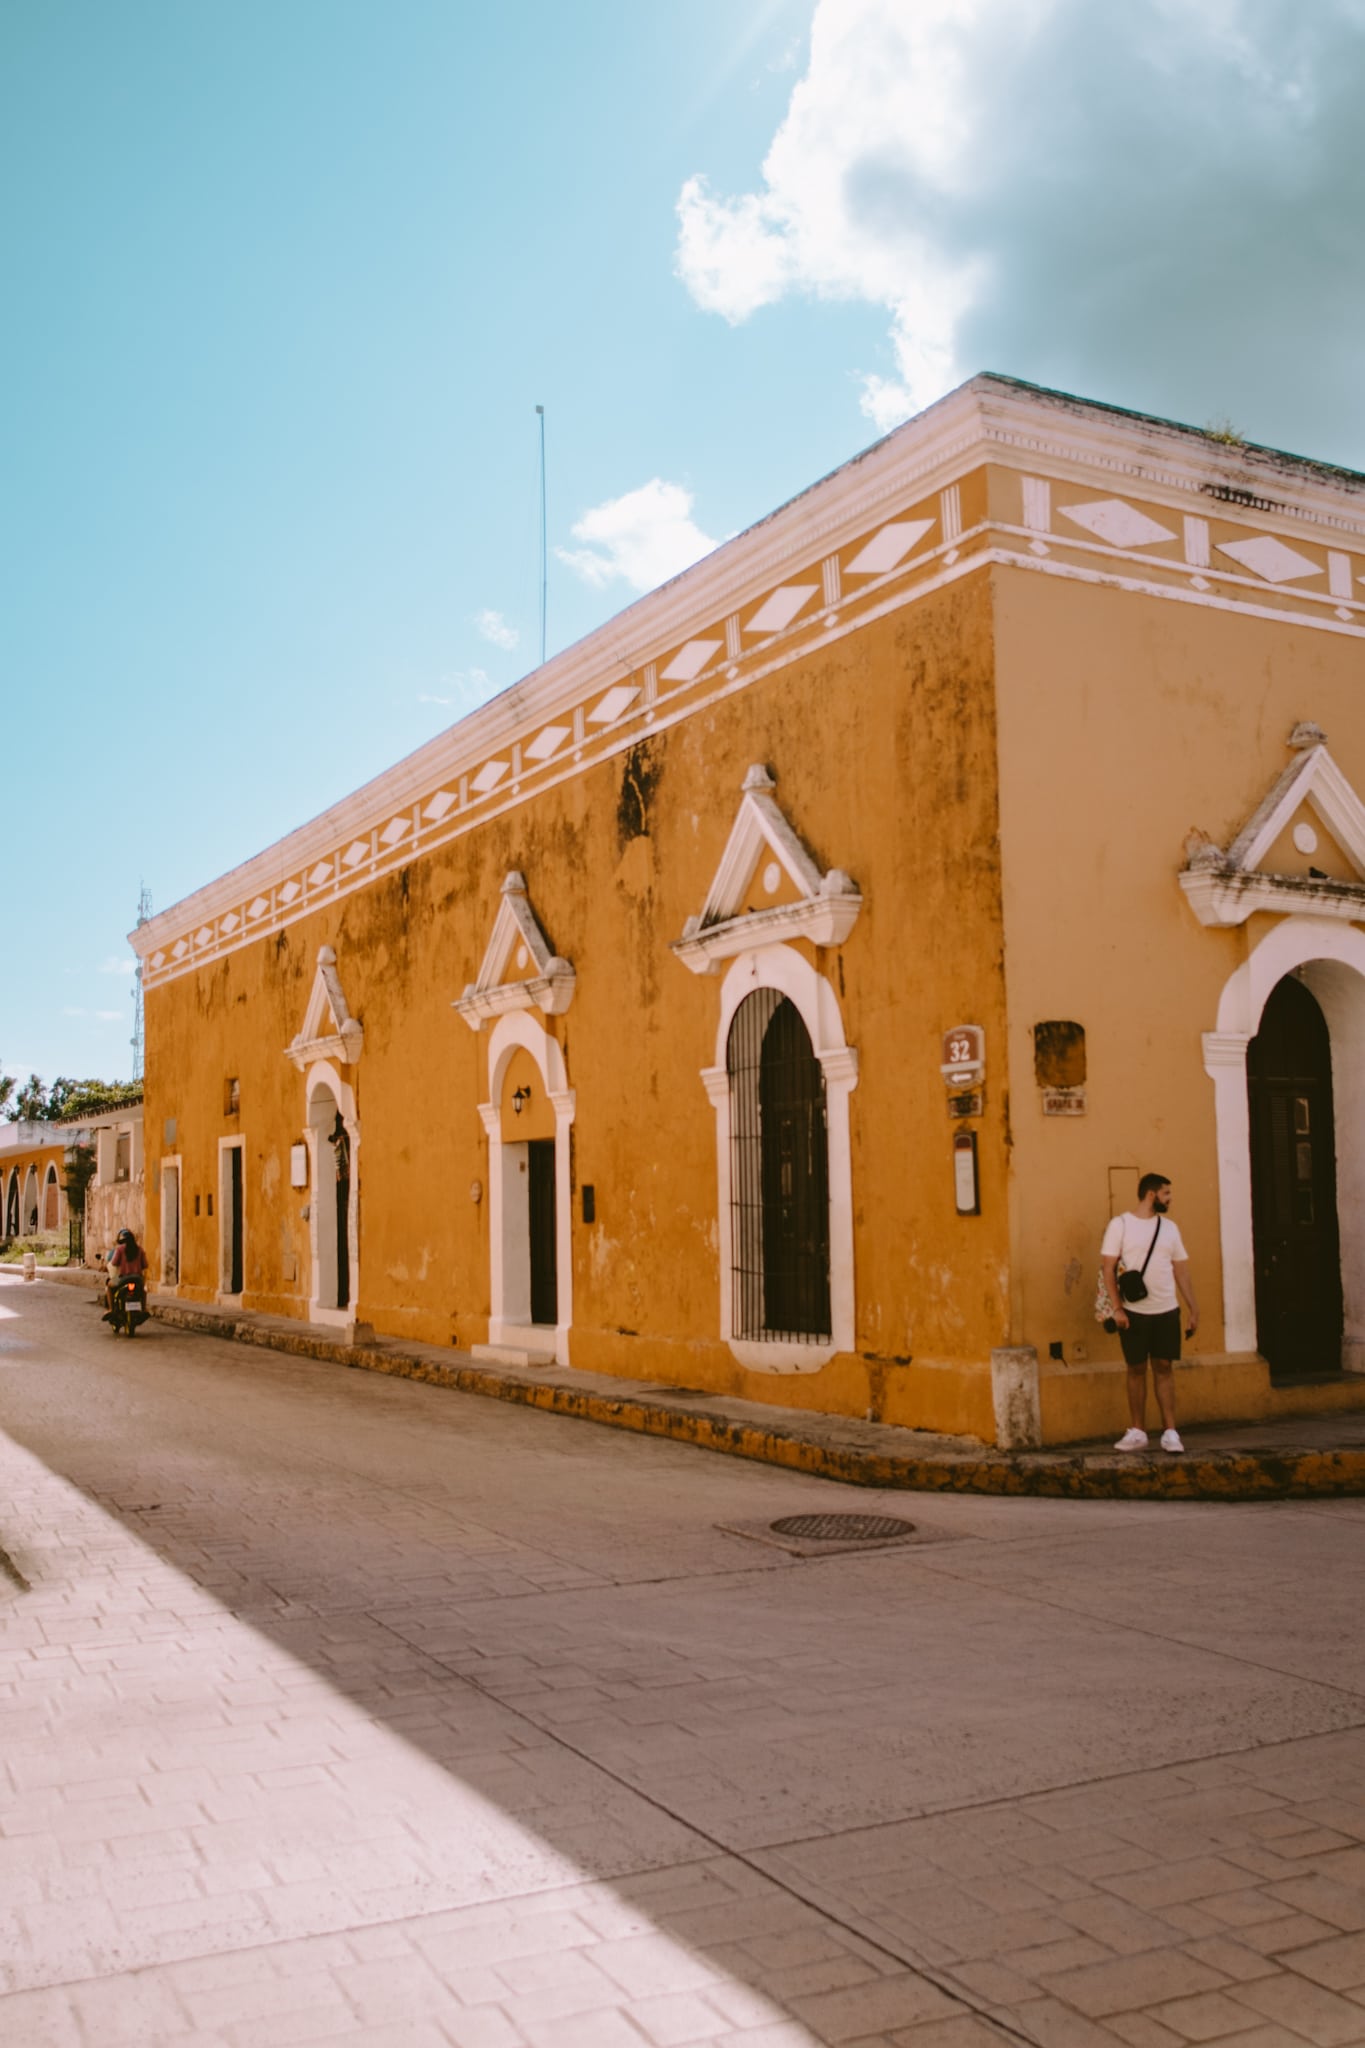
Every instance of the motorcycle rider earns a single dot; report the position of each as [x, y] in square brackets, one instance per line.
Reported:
[126, 1261]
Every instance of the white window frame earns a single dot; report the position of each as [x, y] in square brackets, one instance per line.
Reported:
[782, 968]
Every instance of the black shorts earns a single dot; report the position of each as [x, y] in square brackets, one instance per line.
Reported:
[1151, 1336]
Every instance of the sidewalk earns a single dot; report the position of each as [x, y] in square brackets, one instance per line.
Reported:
[1320, 1455]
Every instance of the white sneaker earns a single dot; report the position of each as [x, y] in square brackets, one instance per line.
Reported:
[1170, 1440]
[1132, 1440]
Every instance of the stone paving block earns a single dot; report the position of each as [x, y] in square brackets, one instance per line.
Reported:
[675, 2020]
[1240, 1965]
[1282, 1937]
[1051, 2024]
[1208, 2016]
[890, 2002]
[1129, 1983]
[1339, 1905]
[965, 2030]
[1139, 2030]
[1319, 2015]
[1123, 1929]
[1178, 1881]
[586, 2030]
[1339, 1964]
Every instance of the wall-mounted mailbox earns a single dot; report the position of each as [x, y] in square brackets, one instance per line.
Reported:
[966, 1188]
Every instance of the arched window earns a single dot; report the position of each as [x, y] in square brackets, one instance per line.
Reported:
[779, 1174]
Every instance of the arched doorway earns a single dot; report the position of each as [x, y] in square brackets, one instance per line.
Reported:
[528, 1117]
[779, 1177]
[12, 1204]
[30, 1209]
[1294, 1185]
[333, 1204]
[50, 1199]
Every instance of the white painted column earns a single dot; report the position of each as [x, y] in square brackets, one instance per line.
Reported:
[1225, 1063]
[562, 1101]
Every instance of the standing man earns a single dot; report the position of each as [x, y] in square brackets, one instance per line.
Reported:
[1145, 1244]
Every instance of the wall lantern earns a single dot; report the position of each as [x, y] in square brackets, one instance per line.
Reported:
[520, 1098]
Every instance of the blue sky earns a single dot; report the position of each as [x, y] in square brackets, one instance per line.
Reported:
[287, 279]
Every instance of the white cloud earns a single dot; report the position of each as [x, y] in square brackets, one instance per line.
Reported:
[643, 537]
[117, 964]
[461, 691]
[1070, 192]
[494, 627]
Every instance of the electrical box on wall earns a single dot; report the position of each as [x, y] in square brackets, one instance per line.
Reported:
[298, 1166]
[966, 1188]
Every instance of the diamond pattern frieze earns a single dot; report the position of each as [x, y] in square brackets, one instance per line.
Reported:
[1265, 556]
[1122, 525]
[887, 550]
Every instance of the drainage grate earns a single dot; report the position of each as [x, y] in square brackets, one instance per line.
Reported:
[843, 1528]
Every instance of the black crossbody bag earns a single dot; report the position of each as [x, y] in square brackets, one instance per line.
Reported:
[1133, 1286]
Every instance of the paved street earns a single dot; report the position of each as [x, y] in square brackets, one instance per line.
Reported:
[345, 1709]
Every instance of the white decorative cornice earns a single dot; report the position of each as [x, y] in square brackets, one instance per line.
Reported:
[327, 1006]
[550, 988]
[684, 646]
[825, 911]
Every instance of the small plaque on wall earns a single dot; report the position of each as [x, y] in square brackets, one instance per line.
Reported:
[1064, 1102]
[298, 1166]
[965, 1188]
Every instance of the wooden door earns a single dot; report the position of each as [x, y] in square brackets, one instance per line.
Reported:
[791, 1093]
[1294, 1186]
[540, 1166]
[235, 1221]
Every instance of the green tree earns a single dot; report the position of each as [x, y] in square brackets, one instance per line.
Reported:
[66, 1099]
[30, 1103]
[80, 1171]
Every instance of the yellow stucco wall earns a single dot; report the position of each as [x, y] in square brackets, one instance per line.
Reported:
[17, 1164]
[899, 791]
[1125, 720]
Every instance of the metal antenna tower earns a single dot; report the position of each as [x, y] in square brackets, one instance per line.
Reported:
[144, 911]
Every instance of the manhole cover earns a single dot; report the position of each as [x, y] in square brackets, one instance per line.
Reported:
[843, 1528]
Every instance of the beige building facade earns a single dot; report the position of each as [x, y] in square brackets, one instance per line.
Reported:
[777, 992]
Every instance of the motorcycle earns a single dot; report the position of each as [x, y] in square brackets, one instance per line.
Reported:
[127, 1307]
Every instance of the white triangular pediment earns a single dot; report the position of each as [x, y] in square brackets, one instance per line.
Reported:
[329, 1031]
[1275, 861]
[519, 970]
[807, 903]
[1313, 780]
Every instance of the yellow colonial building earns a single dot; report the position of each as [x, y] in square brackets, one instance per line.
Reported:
[778, 991]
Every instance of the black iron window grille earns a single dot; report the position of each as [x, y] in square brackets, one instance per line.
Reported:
[779, 1174]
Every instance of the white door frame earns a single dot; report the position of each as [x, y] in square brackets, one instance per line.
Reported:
[226, 1145]
[784, 969]
[171, 1162]
[515, 1029]
[1315, 944]
[321, 1073]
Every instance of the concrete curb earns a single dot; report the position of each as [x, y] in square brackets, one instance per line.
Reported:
[859, 1454]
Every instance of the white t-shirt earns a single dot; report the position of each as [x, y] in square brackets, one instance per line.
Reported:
[1127, 1239]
